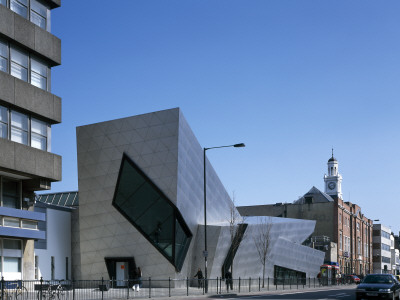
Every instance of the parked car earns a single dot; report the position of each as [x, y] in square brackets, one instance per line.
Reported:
[378, 286]
[352, 279]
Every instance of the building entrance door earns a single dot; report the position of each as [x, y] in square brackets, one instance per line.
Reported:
[122, 271]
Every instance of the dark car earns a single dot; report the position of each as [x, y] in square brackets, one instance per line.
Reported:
[378, 286]
[352, 279]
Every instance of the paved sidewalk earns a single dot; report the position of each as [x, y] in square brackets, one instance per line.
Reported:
[233, 294]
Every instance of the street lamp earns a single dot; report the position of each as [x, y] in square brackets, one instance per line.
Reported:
[205, 252]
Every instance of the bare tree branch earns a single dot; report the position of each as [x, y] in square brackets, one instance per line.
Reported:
[262, 240]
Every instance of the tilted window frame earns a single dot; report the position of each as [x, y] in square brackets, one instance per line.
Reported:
[178, 263]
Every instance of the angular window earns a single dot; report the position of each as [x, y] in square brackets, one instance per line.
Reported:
[19, 64]
[145, 206]
[3, 122]
[19, 128]
[38, 74]
[3, 56]
[38, 134]
[20, 7]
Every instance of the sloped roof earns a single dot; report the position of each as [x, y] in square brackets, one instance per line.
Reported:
[61, 199]
[316, 195]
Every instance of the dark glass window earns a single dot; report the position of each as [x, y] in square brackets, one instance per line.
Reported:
[145, 206]
[11, 195]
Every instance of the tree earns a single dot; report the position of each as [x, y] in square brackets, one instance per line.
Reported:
[262, 241]
[237, 230]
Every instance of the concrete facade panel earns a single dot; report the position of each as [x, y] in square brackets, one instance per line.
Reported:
[7, 154]
[24, 31]
[47, 45]
[36, 100]
[6, 22]
[26, 162]
[7, 88]
[33, 162]
[30, 36]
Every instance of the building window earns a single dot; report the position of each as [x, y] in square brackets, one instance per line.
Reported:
[11, 195]
[340, 241]
[38, 74]
[39, 12]
[3, 122]
[20, 7]
[12, 264]
[19, 63]
[3, 56]
[11, 222]
[27, 224]
[23, 66]
[145, 206]
[19, 128]
[36, 267]
[38, 134]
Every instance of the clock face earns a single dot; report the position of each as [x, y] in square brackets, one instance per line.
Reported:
[331, 185]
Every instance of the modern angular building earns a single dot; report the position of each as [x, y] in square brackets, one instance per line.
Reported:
[28, 109]
[141, 203]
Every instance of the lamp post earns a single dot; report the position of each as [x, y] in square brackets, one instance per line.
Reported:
[205, 252]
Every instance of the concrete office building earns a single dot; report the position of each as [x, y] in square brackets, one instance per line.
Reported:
[28, 109]
[141, 204]
[337, 221]
[382, 245]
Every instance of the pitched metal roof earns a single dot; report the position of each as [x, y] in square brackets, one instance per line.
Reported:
[317, 195]
[61, 199]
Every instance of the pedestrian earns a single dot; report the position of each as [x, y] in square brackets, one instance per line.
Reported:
[137, 280]
[200, 277]
[228, 280]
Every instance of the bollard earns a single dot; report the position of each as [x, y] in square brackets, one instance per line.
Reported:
[169, 286]
[127, 290]
[187, 286]
[217, 285]
[259, 284]
[149, 287]
[268, 283]
[73, 289]
[102, 290]
[239, 284]
[220, 285]
[249, 284]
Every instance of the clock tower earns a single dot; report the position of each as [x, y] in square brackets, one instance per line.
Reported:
[333, 181]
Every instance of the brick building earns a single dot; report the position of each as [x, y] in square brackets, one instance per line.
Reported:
[340, 222]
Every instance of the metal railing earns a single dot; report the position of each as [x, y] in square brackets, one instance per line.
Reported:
[149, 287]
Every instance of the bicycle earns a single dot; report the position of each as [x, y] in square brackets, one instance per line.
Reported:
[51, 291]
[5, 295]
[20, 293]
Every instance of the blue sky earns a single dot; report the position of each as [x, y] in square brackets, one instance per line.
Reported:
[290, 79]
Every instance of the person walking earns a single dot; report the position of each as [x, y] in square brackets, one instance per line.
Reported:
[200, 277]
[228, 280]
[137, 280]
